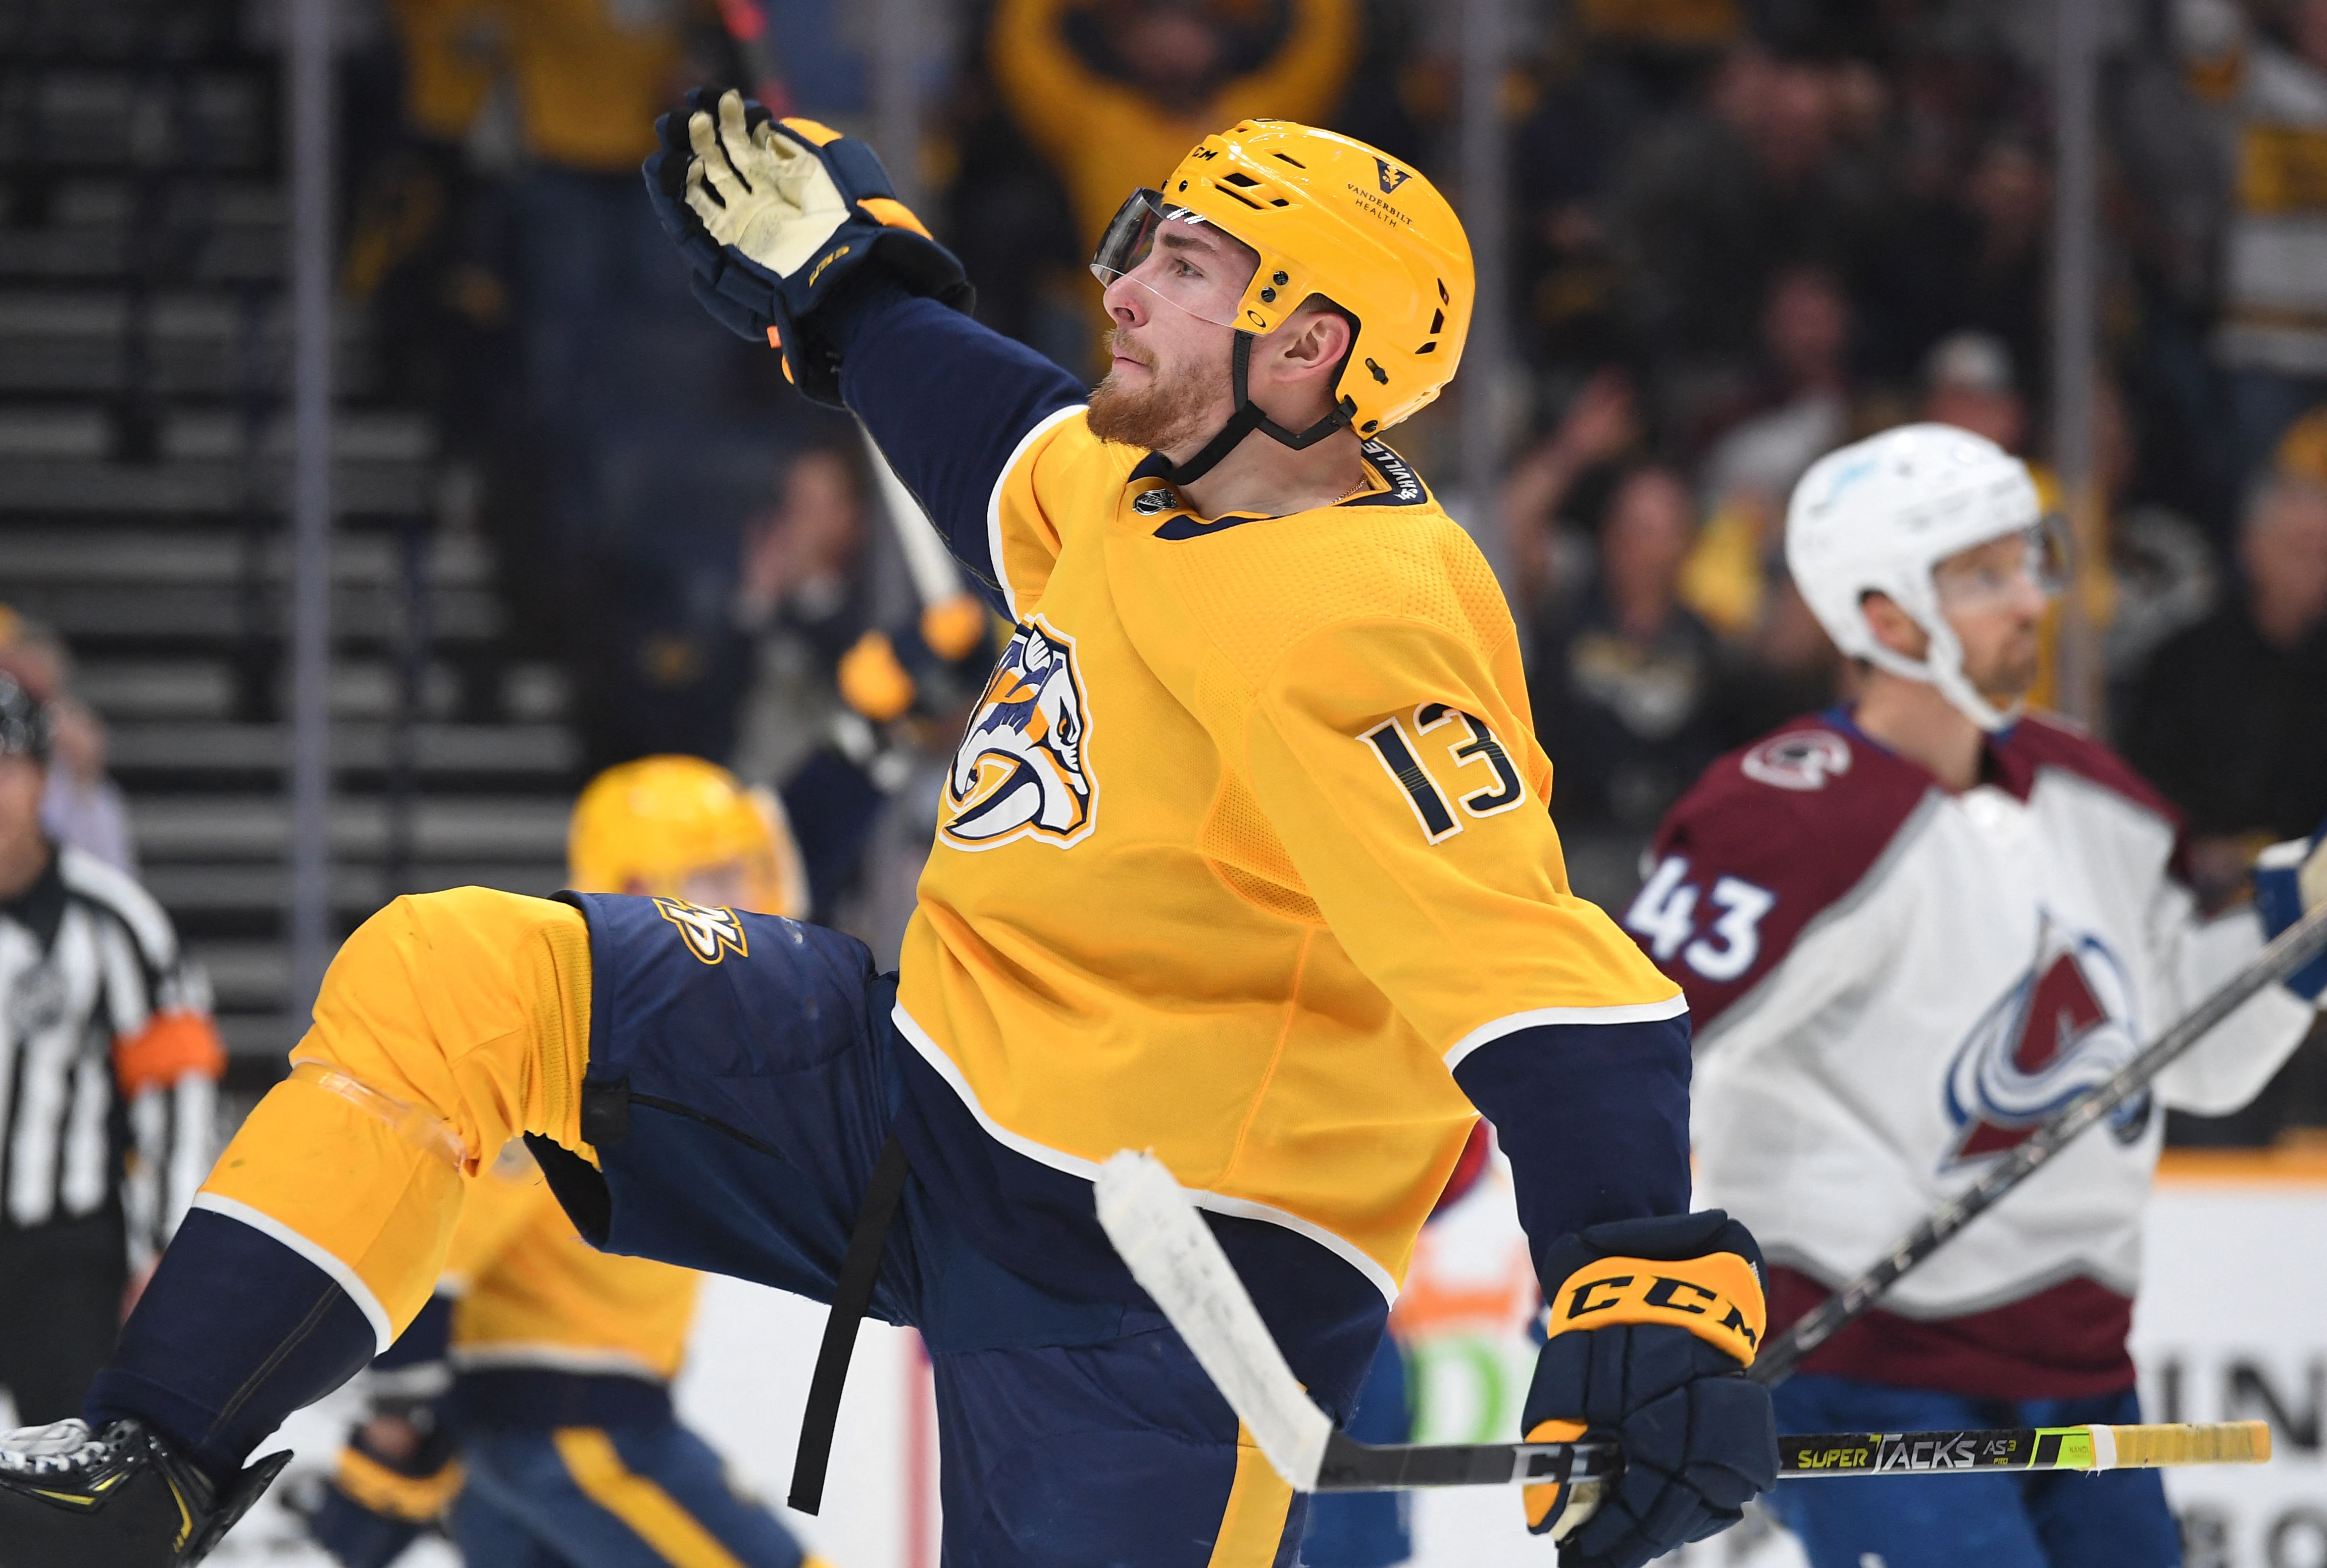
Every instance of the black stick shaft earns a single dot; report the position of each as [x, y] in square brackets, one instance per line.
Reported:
[2294, 948]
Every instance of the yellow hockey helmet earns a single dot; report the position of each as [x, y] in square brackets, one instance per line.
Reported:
[682, 827]
[1329, 216]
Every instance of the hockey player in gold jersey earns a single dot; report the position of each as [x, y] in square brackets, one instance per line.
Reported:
[528, 1405]
[1244, 857]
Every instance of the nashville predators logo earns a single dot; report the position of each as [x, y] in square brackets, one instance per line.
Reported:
[709, 934]
[1024, 766]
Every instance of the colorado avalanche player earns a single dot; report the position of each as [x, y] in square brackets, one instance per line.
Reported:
[1909, 931]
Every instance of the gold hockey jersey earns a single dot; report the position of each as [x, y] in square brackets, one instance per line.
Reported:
[1246, 847]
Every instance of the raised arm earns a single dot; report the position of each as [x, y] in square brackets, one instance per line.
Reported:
[956, 409]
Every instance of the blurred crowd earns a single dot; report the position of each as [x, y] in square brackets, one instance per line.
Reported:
[1742, 233]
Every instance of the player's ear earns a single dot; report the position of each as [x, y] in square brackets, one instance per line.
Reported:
[1314, 340]
[1893, 628]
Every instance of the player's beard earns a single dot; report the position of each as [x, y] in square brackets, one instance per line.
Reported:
[2011, 675]
[1173, 410]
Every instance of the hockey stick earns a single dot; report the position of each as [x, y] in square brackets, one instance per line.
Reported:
[1176, 1259]
[2293, 948]
[746, 22]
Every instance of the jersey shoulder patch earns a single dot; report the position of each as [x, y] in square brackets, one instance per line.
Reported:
[1775, 833]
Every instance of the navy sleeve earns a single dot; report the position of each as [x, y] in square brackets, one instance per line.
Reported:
[948, 401]
[426, 1341]
[1594, 1117]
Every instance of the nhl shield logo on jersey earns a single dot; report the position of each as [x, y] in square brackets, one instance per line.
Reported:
[710, 934]
[1803, 760]
[1024, 767]
[2065, 1025]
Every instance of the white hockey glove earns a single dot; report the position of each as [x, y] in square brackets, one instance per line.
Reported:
[761, 190]
[772, 215]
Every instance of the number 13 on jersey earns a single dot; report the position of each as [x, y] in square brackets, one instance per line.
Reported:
[1477, 748]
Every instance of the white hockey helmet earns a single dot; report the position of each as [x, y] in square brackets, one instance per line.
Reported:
[1877, 516]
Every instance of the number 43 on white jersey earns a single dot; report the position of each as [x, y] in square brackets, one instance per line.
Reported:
[1664, 917]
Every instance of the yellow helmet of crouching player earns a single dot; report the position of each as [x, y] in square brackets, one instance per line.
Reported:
[681, 827]
[1332, 216]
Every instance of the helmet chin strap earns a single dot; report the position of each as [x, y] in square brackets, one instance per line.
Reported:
[1247, 419]
[1941, 666]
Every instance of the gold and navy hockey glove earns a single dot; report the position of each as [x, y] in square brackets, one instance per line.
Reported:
[379, 1503]
[773, 216]
[1652, 1325]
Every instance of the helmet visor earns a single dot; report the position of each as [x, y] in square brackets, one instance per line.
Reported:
[1983, 575]
[1177, 257]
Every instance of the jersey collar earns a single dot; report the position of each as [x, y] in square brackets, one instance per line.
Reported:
[1995, 765]
[1390, 481]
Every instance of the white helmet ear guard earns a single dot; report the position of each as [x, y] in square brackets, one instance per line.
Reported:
[1875, 516]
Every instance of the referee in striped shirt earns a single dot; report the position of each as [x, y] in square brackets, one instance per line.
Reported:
[109, 1072]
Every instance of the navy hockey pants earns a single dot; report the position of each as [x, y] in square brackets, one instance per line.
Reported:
[737, 1113]
[617, 1496]
[1367, 1529]
[2058, 1520]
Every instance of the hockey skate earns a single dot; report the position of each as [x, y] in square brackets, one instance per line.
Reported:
[121, 1497]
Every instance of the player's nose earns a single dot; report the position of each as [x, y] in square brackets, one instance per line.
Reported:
[1125, 301]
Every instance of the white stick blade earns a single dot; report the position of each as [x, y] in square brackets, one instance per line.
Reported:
[936, 577]
[1177, 1260]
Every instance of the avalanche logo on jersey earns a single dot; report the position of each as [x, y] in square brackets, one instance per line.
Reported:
[1022, 770]
[1803, 760]
[710, 934]
[2065, 1025]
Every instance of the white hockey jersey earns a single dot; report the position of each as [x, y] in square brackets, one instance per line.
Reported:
[1893, 984]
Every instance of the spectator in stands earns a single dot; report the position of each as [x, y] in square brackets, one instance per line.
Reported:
[802, 599]
[1802, 410]
[1804, 405]
[81, 806]
[1600, 424]
[2001, 264]
[1663, 26]
[1968, 383]
[2230, 717]
[1115, 93]
[431, 257]
[2274, 333]
[1712, 206]
[1624, 687]
[2163, 572]
[647, 421]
